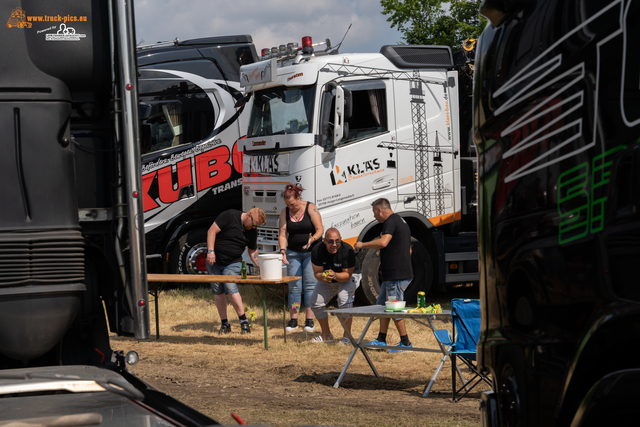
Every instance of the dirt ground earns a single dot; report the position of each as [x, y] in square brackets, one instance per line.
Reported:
[292, 383]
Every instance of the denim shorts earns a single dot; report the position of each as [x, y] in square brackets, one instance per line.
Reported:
[398, 285]
[232, 269]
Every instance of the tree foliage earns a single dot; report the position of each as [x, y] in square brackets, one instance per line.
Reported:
[435, 22]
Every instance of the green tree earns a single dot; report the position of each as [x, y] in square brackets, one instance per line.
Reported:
[435, 22]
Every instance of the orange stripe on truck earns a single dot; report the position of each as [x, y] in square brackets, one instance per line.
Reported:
[438, 221]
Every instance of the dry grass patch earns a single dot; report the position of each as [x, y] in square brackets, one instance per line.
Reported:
[292, 383]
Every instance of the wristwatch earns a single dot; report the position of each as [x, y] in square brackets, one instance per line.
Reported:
[283, 250]
[210, 251]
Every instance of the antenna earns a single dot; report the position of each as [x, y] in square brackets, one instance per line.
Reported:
[335, 49]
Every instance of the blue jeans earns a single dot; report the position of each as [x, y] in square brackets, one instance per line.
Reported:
[232, 269]
[398, 285]
[300, 265]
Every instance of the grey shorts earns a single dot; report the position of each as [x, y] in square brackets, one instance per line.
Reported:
[324, 291]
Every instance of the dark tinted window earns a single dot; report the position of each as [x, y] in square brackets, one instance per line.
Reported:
[230, 58]
[369, 111]
[180, 113]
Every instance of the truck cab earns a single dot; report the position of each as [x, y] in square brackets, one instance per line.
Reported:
[557, 125]
[352, 128]
[191, 166]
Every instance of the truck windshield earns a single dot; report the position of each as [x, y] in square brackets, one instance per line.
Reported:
[278, 111]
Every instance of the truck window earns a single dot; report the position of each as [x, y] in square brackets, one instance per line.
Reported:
[369, 112]
[181, 113]
[279, 111]
[369, 109]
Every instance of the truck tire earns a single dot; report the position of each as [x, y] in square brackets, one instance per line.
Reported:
[190, 253]
[423, 271]
[369, 289]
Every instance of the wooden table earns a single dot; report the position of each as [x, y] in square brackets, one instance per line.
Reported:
[208, 278]
[374, 312]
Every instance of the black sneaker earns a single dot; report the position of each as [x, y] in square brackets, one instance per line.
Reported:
[245, 329]
[308, 325]
[292, 325]
[225, 328]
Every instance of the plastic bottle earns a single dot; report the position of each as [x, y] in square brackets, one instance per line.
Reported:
[391, 295]
[243, 270]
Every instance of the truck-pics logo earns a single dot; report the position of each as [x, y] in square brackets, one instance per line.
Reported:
[341, 175]
[20, 19]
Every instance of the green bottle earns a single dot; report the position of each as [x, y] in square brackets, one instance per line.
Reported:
[243, 270]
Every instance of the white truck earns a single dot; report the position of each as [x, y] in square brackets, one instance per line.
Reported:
[351, 128]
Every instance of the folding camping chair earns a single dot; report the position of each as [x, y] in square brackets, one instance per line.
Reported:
[465, 314]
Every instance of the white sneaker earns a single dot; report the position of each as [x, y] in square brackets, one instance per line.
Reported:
[308, 325]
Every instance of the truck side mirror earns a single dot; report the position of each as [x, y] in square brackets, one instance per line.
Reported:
[144, 111]
[240, 102]
[348, 105]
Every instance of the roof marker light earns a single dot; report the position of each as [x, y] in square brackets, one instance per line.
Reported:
[307, 44]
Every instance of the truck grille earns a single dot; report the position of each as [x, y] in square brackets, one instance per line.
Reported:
[271, 202]
[41, 258]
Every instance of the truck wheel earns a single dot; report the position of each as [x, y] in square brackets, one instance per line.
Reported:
[369, 289]
[423, 273]
[369, 260]
[190, 254]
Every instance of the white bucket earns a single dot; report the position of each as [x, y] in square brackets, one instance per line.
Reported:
[270, 266]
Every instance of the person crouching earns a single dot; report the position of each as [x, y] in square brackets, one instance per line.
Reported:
[333, 264]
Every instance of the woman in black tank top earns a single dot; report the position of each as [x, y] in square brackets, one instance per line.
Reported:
[300, 230]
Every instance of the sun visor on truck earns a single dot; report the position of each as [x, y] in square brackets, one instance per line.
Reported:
[412, 57]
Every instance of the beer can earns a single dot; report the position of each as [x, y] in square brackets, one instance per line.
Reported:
[421, 300]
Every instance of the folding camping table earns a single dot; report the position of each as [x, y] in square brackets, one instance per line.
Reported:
[374, 312]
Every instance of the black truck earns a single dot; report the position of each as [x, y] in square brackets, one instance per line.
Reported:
[72, 259]
[191, 166]
[557, 126]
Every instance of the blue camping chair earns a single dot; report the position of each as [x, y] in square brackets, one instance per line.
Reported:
[465, 314]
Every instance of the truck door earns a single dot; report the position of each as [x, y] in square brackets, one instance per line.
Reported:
[364, 165]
